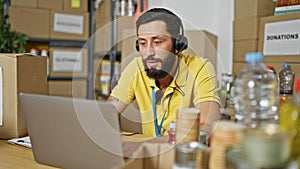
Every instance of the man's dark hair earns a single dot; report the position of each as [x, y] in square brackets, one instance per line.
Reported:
[172, 21]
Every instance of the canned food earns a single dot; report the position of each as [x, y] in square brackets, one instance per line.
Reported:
[190, 156]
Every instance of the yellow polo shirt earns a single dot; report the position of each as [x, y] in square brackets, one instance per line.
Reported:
[195, 81]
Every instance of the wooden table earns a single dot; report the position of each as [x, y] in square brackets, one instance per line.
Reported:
[18, 157]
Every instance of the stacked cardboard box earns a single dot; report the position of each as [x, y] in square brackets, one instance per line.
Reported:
[279, 41]
[68, 63]
[55, 19]
[247, 15]
[278, 37]
[68, 88]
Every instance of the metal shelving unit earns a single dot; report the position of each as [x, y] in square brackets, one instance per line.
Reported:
[75, 43]
[91, 51]
[113, 52]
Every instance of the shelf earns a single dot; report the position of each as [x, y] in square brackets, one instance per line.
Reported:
[59, 42]
[66, 78]
[107, 54]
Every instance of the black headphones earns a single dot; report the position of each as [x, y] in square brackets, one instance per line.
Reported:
[180, 42]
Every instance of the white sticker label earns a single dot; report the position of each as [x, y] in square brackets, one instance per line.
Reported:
[1, 99]
[282, 38]
[67, 23]
[67, 61]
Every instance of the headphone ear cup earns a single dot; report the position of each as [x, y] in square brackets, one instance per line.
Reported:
[181, 43]
[137, 45]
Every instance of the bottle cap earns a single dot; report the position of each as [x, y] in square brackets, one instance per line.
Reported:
[286, 65]
[44, 52]
[34, 51]
[271, 68]
[253, 57]
[173, 125]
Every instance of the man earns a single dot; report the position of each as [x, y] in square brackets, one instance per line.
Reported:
[163, 79]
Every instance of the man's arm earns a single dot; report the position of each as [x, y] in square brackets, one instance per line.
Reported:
[120, 106]
[209, 114]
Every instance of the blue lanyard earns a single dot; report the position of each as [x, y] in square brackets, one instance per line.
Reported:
[158, 128]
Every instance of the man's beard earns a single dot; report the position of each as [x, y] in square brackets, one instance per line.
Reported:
[167, 65]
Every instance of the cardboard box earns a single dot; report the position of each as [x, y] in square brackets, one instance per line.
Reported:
[76, 5]
[19, 73]
[237, 67]
[68, 62]
[253, 8]
[240, 48]
[102, 13]
[203, 44]
[52, 4]
[68, 88]
[69, 25]
[103, 33]
[246, 28]
[22, 3]
[34, 23]
[152, 156]
[279, 38]
[200, 42]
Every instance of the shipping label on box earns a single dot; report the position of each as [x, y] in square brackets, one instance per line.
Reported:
[76, 5]
[68, 23]
[67, 61]
[279, 36]
[282, 38]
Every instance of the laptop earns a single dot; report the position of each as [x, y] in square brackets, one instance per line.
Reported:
[72, 133]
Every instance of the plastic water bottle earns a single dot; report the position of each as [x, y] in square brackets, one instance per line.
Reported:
[226, 83]
[172, 133]
[255, 93]
[286, 83]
